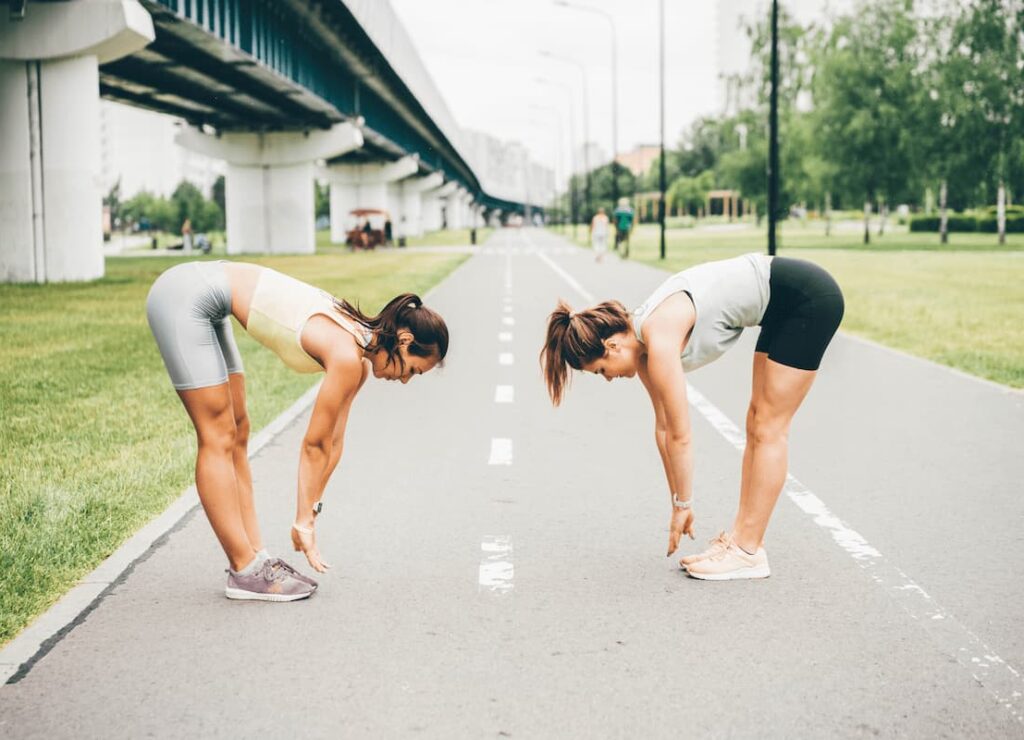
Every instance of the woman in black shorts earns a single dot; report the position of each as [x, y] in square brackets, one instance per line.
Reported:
[690, 320]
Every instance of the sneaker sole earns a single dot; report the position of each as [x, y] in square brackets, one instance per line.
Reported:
[762, 571]
[242, 595]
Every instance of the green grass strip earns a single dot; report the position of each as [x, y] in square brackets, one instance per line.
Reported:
[95, 441]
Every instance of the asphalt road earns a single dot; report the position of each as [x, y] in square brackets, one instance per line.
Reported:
[500, 567]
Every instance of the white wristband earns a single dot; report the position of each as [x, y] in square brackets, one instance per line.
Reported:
[680, 504]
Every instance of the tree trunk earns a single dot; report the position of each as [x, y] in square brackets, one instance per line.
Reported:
[867, 222]
[828, 213]
[943, 215]
[1001, 212]
[882, 211]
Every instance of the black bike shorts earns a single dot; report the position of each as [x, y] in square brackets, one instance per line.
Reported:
[804, 311]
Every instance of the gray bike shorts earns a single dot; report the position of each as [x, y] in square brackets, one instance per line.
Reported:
[189, 312]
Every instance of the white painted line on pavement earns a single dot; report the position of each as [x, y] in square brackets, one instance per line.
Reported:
[999, 678]
[1004, 682]
[501, 451]
[506, 358]
[508, 309]
[508, 273]
[504, 394]
[496, 570]
[504, 336]
[508, 321]
[567, 277]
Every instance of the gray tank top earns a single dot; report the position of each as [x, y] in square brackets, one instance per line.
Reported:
[728, 296]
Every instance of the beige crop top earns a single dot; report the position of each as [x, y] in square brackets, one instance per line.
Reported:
[279, 310]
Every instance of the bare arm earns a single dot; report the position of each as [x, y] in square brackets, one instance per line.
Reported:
[666, 384]
[322, 444]
[659, 426]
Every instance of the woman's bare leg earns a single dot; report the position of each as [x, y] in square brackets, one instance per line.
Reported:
[243, 474]
[772, 408]
[756, 386]
[211, 412]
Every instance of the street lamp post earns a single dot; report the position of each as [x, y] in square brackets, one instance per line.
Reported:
[558, 137]
[572, 147]
[661, 167]
[588, 210]
[615, 86]
[773, 132]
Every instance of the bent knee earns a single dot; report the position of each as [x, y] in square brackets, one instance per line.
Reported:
[763, 428]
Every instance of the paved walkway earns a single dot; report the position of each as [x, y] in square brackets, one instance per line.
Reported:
[500, 570]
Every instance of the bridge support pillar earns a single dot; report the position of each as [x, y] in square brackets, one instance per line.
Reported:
[364, 186]
[435, 216]
[268, 189]
[50, 198]
[410, 212]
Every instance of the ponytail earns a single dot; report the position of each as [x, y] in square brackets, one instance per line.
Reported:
[577, 339]
[405, 311]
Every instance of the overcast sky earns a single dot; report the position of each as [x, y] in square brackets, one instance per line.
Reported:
[485, 57]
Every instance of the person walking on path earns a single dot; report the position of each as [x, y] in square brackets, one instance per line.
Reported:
[690, 320]
[599, 234]
[189, 309]
[186, 235]
[623, 223]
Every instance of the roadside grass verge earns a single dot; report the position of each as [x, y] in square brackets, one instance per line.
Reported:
[95, 441]
[960, 304]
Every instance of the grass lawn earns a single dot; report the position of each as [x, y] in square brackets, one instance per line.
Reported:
[961, 304]
[446, 238]
[95, 442]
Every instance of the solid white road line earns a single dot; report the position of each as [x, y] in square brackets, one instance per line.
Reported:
[496, 570]
[504, 394]
[1004, 682]
[501, 451]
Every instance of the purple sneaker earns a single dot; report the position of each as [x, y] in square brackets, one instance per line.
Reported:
[270, 582]
[294, 573]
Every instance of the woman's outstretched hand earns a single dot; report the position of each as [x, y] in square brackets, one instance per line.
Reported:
[305, 542]
[680, 524]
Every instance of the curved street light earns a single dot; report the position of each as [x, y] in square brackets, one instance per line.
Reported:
[615, 84]
[572, 144]
[587, 213]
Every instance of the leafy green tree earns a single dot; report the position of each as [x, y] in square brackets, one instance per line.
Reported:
[864, 75]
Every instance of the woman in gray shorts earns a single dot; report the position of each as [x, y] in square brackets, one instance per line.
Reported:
[189, 310]
[690, 320]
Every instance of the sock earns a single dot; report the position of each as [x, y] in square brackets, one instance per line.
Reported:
[262, 554]
[250, 568]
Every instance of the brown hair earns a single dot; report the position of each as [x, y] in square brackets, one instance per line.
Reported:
[405, 311]
[577, 339]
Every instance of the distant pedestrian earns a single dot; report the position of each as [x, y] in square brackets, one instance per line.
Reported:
[690, 320]
[624, 218]
[599, 234]
[186, 235]
[189, 310]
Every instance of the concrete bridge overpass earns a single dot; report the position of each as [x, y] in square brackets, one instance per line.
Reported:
[282, 90]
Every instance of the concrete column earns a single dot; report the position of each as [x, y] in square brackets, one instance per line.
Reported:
[364, 186]
[50, 196]
[433, 203]
[456, 208]
[269, 183]
[409, 216]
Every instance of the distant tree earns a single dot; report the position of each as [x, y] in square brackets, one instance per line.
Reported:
[112, 200]
[863, 81]
[188, 202]
[690, 193]
[323, 198]
[217, 194]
